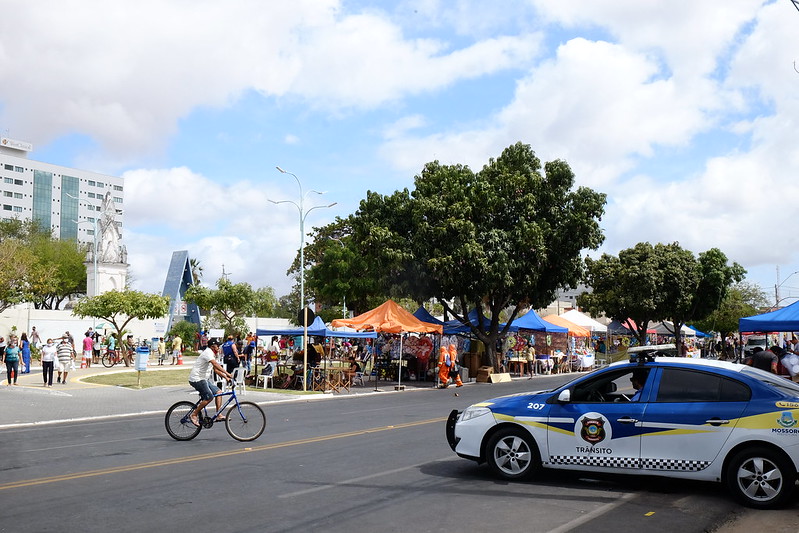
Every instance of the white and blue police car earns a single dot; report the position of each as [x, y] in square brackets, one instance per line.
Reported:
[665, 416]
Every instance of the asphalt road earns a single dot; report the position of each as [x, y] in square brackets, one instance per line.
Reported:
[362, 463]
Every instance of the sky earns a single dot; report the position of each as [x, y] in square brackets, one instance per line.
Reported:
[684, 113]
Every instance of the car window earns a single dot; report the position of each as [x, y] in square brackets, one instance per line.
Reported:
[786, 386]
[607, 387]
[681, 385]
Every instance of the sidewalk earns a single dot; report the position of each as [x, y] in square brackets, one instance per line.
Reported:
[30, 402]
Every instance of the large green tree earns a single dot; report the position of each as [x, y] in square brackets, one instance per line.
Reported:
[338, 272]
[649, 283]
[120, 307]
[507, 236]
[63, 265]
[228, 304]
[264, 302]
[37, 268]
[743, 299]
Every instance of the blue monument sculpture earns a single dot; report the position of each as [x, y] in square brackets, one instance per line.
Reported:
[178, 280]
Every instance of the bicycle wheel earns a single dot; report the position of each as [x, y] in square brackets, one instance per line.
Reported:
[108, 360]
[178, 424]
[245, 423]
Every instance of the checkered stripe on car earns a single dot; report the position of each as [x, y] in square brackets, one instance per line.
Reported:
[684, 465]
[605, 461]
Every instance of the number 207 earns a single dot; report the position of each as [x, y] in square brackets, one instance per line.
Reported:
[536, 406]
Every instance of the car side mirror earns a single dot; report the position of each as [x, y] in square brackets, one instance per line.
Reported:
[565, 396]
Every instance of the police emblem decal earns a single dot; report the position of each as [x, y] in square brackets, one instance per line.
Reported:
[593, 430]
[786, 420]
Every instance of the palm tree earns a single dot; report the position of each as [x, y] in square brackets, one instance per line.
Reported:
[196, 271]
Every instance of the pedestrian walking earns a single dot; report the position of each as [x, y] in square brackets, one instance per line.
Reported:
[88, 348]
[35, 340]
[66, 355]
[25, 349]
[448, 366]
[161, 351]
[11, 358]
[49, 357]
[177, 343]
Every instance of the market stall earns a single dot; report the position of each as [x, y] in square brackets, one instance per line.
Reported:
[391, 318]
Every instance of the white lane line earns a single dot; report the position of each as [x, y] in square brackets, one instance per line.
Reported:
[599, 511]
[363, 478]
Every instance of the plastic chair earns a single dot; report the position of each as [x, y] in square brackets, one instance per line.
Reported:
[238, 376]
[358, 378]
[267, 377]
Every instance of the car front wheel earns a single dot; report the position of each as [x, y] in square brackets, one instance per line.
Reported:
[513, 454]
[760, 478]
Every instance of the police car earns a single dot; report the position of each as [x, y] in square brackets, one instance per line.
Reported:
[689, 418]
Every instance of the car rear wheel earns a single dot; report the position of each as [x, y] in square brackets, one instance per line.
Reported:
[761, 478]
[513, 454]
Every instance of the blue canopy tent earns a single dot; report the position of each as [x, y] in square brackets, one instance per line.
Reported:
[425, 316]
[699, 333]
[455, 326]
[533, 322]
[785, 319]
[317, 329]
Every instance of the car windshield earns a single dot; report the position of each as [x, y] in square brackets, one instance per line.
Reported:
[780, 383]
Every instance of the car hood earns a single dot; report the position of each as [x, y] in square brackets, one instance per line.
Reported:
[511, 400]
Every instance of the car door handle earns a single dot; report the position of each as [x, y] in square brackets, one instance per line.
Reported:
[626, 420]
[716, 421]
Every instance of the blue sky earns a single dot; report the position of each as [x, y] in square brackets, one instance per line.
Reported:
[685, 113]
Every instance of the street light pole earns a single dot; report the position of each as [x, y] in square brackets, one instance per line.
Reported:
[344, 296]
[303, 215]
[777, 286]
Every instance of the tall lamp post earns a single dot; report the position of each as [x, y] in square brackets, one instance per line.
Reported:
[303, 215]
[777, 298]
[344, 296]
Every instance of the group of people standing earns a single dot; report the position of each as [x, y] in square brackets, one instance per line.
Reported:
[16, 354]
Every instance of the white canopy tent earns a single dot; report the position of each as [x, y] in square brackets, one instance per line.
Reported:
[584, 320]
[666, 328]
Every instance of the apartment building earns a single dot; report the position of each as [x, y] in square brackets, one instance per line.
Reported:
[67, 200]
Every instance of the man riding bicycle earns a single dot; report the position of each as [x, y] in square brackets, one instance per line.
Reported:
[198, 378]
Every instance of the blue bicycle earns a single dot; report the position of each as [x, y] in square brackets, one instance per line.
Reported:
[244, 421]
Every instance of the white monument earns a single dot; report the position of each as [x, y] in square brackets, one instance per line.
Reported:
[106, 267]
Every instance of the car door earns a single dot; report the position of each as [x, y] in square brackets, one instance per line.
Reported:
[597, 428]
[690, 416]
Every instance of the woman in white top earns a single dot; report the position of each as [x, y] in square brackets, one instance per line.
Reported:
[48, 362]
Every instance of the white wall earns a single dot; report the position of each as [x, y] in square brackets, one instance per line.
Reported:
[55, 323]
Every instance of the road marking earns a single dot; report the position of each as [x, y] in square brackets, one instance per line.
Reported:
[599, 511]
[364, 478]
[206, 456]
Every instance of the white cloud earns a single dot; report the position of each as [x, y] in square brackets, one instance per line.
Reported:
[235, 226]
[125, 73]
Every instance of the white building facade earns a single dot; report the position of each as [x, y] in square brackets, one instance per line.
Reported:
[66, 200]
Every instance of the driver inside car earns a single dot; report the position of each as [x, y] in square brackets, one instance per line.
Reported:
[638, 379]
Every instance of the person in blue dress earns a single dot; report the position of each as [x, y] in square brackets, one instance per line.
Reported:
[25, 348]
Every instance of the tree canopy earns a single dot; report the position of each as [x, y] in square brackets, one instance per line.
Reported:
[35, 267]
[228, 304]
[743, 299]
[120, 307]
[509, 235]
[650, 283]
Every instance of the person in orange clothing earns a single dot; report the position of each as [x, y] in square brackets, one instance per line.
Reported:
[448, 366]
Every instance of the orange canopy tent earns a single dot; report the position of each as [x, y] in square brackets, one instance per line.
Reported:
[574, 329]
[388, 318]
